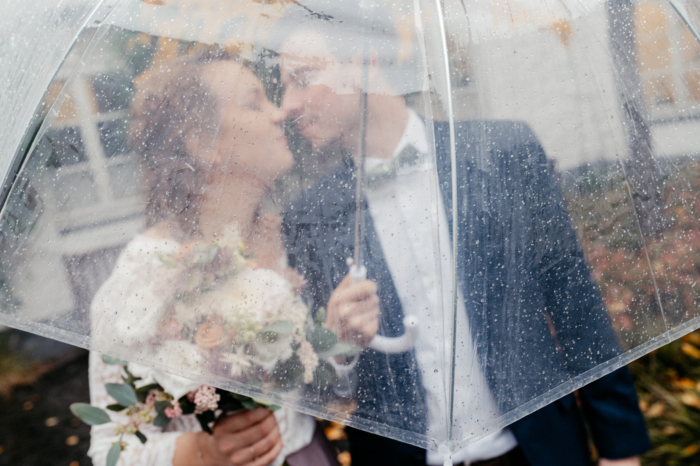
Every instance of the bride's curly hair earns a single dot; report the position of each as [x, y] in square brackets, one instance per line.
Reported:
[170, 106]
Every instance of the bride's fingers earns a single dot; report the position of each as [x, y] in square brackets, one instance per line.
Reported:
[249, 453]
[241, 421]
[268, 457]
[240, 440]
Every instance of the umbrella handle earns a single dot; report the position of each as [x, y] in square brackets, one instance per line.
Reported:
[357, 273]
[389, 345]
[405, 342]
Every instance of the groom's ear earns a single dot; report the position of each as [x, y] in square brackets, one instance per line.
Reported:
[202, 148]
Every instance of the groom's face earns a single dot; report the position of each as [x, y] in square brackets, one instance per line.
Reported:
[321, 91]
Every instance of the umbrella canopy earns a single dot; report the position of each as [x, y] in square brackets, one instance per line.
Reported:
[185, 181]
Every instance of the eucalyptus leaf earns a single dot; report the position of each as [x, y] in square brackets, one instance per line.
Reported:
[321, 339]
[325, 376]
[282, 327]
[161, 420]
[249, 404]
[161, 406]
[113, 454]
[289, 374]
[113, 361]
[116, 407]
[123, 393]
[140, 436]
[90, 414]
[321, 316]
[262, 403]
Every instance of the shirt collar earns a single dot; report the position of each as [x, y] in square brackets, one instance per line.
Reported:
[413, 134]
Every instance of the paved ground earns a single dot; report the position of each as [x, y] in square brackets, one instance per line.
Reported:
[36, 425]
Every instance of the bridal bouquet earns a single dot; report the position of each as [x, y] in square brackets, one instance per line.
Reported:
[243, 320]
[215, 309]
[157, 399]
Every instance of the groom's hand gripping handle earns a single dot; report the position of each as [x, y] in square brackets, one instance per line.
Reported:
[353, 311]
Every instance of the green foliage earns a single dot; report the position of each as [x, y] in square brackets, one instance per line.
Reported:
[161, 420]
[116, 407]
[113, 454]
[668, 385]
[113, 361]
[142, 438]
[649, 284]
[90, 415]
[123, 393]
[321, 339]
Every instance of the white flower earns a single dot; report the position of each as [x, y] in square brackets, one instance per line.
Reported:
[177, 355]
[256, 295]
[269, 351]
[132, 320]
[239, 361]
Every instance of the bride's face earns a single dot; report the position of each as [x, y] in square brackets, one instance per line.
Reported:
[250, 141]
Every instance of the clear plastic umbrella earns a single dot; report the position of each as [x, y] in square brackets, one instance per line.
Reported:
[185, 182]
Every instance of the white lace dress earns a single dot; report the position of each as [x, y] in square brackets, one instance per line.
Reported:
[130, 292]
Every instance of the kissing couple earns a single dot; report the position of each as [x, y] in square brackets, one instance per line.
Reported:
[211, 146]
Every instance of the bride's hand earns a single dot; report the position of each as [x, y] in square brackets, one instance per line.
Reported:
[250, 438]
[353, 311]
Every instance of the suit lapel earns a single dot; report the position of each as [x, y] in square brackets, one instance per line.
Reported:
[472, 218]
[336, 210]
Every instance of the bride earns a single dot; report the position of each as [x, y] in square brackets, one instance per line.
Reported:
[210, 145]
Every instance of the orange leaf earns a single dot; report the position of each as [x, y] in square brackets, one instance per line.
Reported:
[655, 410]
[691, 399]
[690, 450]
[690, 350]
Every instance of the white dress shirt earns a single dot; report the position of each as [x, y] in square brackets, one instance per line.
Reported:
[409, 218]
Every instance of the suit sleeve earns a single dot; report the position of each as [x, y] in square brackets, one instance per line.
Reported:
[581, 323]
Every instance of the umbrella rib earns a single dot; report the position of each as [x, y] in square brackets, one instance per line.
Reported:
[453, 162]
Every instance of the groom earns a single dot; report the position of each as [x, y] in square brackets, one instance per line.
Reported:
[520, 270]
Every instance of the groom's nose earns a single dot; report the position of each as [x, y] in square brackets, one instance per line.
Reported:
[292, 102]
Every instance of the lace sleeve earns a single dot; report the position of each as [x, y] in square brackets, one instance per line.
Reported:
[296, 429]
[160, 447]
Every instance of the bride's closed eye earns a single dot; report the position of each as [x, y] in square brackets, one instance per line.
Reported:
[254, 100]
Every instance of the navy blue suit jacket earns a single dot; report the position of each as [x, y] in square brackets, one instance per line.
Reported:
[535, 314]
